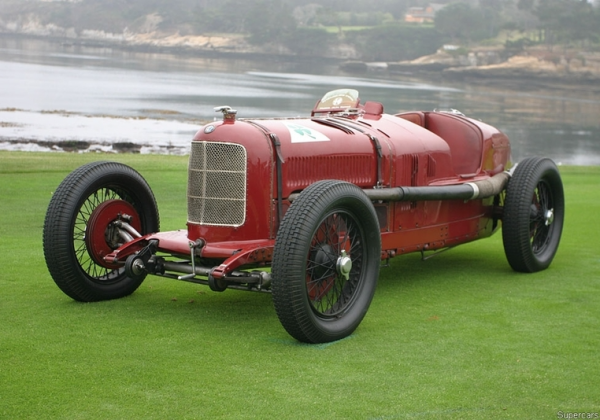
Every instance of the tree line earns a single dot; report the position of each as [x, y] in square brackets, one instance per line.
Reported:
[554, 21]
[378, 28]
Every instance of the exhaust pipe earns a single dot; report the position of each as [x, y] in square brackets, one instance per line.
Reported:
[467, 191]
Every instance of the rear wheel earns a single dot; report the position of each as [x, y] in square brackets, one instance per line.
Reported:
[326, 262]
[96, 209]
[533, 215]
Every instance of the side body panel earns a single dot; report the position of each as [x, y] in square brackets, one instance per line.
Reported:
[474, 148]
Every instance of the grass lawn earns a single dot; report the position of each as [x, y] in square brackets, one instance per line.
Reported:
[458, 336]
[338, 29]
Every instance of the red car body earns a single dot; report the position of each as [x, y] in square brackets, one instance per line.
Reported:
[417, 149]
[423, 181]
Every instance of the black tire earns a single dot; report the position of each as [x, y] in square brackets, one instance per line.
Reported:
[76, 223]
[313, 299]
[533, 216]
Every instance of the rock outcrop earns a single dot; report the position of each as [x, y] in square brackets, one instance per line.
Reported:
[541, 64]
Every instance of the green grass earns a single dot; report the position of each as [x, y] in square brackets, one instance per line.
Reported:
[458, 336]
[337, 29]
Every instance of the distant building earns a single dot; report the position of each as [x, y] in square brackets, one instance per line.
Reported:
[422, 14]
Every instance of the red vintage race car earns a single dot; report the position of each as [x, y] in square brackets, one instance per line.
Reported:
[306, 209]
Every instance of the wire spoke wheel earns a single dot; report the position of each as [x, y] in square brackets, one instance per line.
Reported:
[80, 229]
[542, 218]
[326, 262]
[330, 290]
[533, 215]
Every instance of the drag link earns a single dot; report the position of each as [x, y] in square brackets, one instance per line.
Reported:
[198, 243]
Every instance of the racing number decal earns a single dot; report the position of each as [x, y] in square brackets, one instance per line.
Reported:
[302, 134]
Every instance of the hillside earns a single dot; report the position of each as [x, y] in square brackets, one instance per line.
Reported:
[293, 29]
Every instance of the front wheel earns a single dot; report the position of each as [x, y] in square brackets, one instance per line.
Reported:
[533, 216]
[326, 262]
[96, 209]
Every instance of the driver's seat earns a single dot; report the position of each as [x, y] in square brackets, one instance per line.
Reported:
[463, 137]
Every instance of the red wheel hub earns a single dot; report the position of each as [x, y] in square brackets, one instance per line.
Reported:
[100, 237]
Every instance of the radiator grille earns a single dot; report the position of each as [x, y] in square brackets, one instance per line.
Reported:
[217, 184]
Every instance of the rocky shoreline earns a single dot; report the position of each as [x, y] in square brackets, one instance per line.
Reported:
[540, 66]
[543, 66]
[211, 46]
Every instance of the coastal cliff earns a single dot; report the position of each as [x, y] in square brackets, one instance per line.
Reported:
[541, 64]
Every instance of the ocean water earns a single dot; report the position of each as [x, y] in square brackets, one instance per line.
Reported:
[62, 97]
